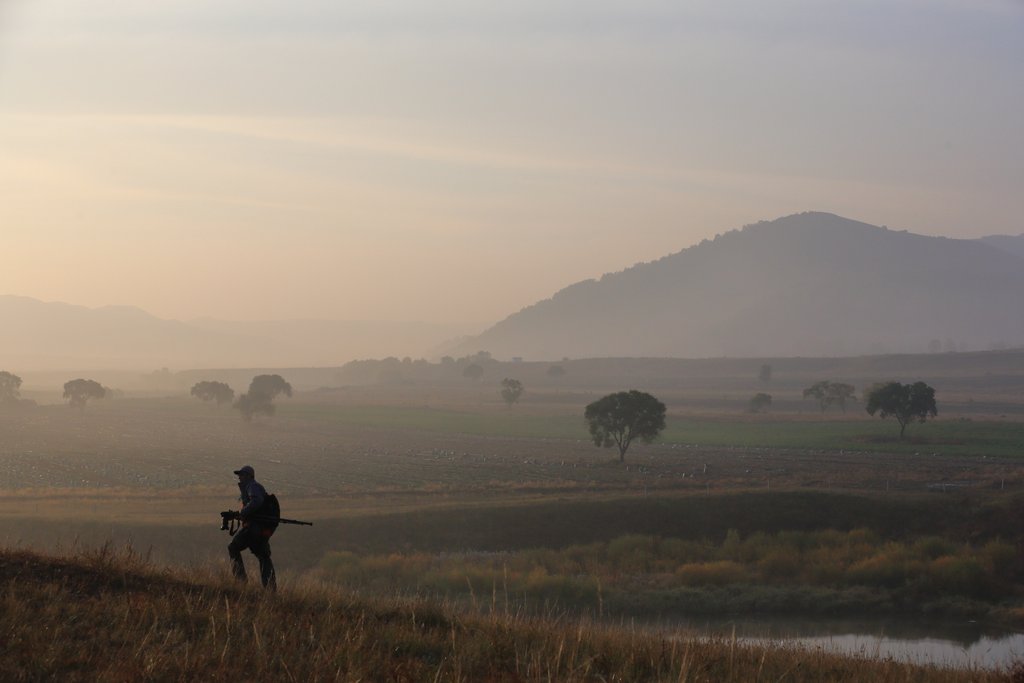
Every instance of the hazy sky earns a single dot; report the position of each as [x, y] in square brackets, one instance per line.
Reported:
[457, 160]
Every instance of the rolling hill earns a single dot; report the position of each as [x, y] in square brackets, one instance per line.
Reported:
[811, 284]
[42, 336]
[1013, 244]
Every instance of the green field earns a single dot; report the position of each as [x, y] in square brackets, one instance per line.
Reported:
[956, 436]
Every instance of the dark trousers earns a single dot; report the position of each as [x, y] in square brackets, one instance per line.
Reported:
[251, 537]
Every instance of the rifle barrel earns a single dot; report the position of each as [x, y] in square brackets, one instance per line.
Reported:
[294, 521]
[280, 520]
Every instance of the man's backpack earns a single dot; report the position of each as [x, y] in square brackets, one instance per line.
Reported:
[270, 511]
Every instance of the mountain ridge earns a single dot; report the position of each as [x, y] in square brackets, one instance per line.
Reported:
[807, 284]
[44, 336]
[811, 284]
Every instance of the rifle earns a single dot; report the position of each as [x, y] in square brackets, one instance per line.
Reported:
[230, 521]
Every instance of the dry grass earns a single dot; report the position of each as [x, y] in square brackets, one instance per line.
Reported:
[106, 617]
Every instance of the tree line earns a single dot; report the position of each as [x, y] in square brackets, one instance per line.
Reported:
[621, 418]
[618, 419]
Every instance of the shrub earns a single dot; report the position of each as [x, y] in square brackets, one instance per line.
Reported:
[798, 540]
[1000, 560]
[863, 536]
[676, 550]
[887, 570]
[933, 547]
[780, 565]
[732, 545]
[756, 546]
[632, 553]
[960, 576]
[720, 573]
[584, 558]
[559, 589]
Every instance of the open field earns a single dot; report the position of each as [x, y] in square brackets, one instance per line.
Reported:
[397, 475]
[357, 452]
[323, 447]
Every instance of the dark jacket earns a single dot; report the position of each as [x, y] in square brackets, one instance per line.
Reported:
[252, 496]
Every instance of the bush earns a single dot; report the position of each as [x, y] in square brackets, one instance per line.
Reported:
[756, 546]
[732, 545]
[780, 566]
[559, 589]
[1000, 560]
[933, 547]
[959, 576]
[632, 553]
[887, 570]
[863, 536]
[676, 550]
[721, 573]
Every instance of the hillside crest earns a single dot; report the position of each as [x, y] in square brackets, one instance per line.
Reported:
[810, 284]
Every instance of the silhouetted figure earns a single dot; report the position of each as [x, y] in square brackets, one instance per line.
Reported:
[253, 535]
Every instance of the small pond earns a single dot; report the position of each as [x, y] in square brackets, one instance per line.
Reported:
[949, 644]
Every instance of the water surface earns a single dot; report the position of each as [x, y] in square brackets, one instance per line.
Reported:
[948, 644]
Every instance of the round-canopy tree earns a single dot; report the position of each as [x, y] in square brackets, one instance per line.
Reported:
[830, 393]
[760, 403]
[624, 416]
[213, 391]
[473, 371]
[9, 386]
[77, 392]
[905, 402]
[259, 400]
[511, 390]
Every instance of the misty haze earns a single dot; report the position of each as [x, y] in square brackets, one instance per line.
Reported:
[692, 331]
[811, 284]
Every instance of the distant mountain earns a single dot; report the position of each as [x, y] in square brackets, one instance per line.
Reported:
[1013, 244]
[811, 284]
[41, 335]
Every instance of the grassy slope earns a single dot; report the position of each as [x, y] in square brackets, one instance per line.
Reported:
[99, 617]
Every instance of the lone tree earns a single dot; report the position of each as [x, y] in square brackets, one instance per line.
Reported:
[213, 391]
[555, 371]
[830, 393]
[79, 391]
[9, 386]
[473, 371]
[259, 400]
[511, 390]
[760, 403]
[905, 402]
[621, 417]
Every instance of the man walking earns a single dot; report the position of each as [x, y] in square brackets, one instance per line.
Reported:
[254, 534]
